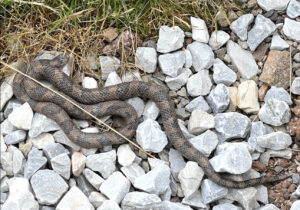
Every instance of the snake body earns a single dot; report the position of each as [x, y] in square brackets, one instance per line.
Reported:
[108, 101]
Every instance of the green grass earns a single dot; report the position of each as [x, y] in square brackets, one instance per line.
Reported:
[27, 27]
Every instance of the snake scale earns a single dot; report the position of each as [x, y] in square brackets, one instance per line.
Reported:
[108, 101]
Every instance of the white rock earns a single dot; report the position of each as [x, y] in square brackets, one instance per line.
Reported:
[125, 155]
[247, 97]
[243, 60]
[146, 59]
[51, 150]
[115, 187]
[263, 28]
[200, 121]
[177, 163]
[78, 163]
[169, 39]
[240, 26]
[199, 30]
[20, 196]
[195, 201]
[130, 76]
[295, 205]
[293, 10]
[62, 165]
[61, 137]
[218, 99]
[190, 178]
[18, 162]
[15, 137]
[222, 73]
[35, 161]
[74, 199]
[108, 64]
[151, 111]
[11, 105]
[89, 83]
[202, 54]
[184, 130]
[233, 158]
[155, 181]
[42, 140]
[133, 171]
[7, 162]
[278, 93]
[258, 129]
[171, 63]
[218, 39]
[3, 146]
[141, 201]
[275, 112]
[112, 79]
[150, 136]
[226, 206]
[93, 178]
[262, 194]
[102, 162]
[199, 84]
[138, 104]
[246, 197]
[168, 205]
[269, 207]
[275, 141]
[205, 143]
[109, 205]
[273, 4]
[198, 103]
[97, 199]
[41, 124]
[188, 59]
[175, 83]
[211, 192]
[291, 29]
[21, 117]
[296, 86]
[7, 127]
[6, 91]
[278, 43]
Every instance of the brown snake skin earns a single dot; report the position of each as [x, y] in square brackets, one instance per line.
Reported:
[106, 101]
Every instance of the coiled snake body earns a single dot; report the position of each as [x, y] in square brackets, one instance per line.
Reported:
[106, 101]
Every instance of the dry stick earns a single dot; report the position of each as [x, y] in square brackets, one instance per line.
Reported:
[91, 115]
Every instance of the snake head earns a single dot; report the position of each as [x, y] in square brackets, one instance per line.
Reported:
[59, 61]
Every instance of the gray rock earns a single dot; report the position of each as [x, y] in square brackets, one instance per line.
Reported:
[48, 186]
[7, 162]
[218, 39]
[35, 161]
[109, 205]
[74, 197]
[295, 205]
[141, 201]
[97, 199]
[222, 73]
[275, 141]
[175, 83]
[115, 187]
[146, 59]
[3, 197]
[240, 26]
[280, 94]
[184, 130]
[278, 43]
[177, 163]
[168, 205]
[233, 158]
[211, 192]
[53, 149]
[125, 155]
[84, 185]
[42, 140]
[190, 178]
[246, 197]
[296, 86]
[112, 79]
[93, 178]
[21, 117]
[275, 112]
[3, 146]
[171, 63]
[169, 39]
[218, 99]
[199, 30]
[200, 121]
[105, 163]
[155, 181]
[108, 64]
[11, 105]
[6, 90]
[243, 60]
[61, 137]
[269, 207]
[131, 76]
[199, 84]
[61, 164]
[41, 124]
[202, 55]
[188, 59]
[293, 10]
[7, 127]
[291, 29]
[153, 162]
[198, 103]
[263, 28]
[133, 171]
[195, 201]
[226, 206]
[18, 162]
[151, 110]
[205, 142]
[258, 129]
[232, 125]
[15, 137]
[297, 57]
[273, 5]
[4, 184]
[284, 153]
[20, 196]
[150, 136]
[262, 194]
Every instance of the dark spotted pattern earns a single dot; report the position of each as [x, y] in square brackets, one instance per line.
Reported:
[105, 101]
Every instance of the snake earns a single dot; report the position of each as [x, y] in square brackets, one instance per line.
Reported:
[109, 101]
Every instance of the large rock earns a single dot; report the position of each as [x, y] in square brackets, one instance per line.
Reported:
[275, 141]
[258, 129]
[247, 98]
[205, 142]
[218, 99]
[125, 155]
[240, 26]
[175, 83]
[21, 117]
[171, 63]
[202, 55]
[246, 197]
[169, 39]
[199, 30]
[35, 161]
[141, 201]
[62, 165]
[6, 91]
[146, 59]
[278, 43]
[293, 9]
[223, 74]
[243, 60]
[200, 121]
[291, 29]
[273, 4]
[276, 70]
[41, 124]
[15, 137]
[210, 191]
[218, 39]
[198, 103]
[199, 84]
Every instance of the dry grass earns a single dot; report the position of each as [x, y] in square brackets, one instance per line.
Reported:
[75, 26]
